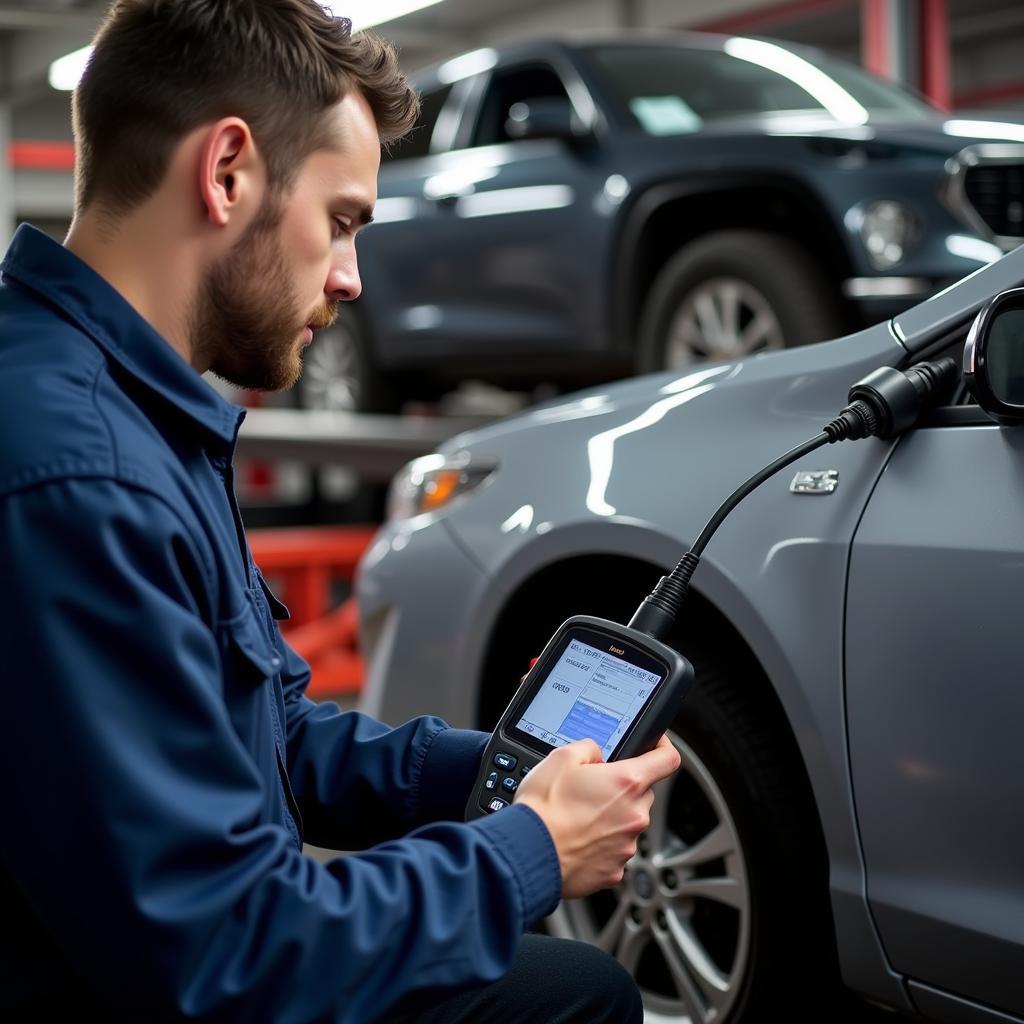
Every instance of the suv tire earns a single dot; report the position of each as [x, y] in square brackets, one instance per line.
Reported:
[734, 293]
[339, 375]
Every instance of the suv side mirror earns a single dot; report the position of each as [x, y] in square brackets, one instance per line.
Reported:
[994, 358]
[548, 117]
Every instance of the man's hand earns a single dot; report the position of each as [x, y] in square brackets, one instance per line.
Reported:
[595, 811]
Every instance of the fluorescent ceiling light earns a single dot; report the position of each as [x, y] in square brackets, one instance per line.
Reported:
[67, 71]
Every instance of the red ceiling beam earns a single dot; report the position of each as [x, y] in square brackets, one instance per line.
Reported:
[770, 16]
[986, 94]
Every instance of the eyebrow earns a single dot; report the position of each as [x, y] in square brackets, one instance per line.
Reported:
[364, 212]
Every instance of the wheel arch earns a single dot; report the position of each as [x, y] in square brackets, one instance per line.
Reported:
[667, 216]
[609, 583]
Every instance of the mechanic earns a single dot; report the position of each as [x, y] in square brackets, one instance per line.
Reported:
[163, 763]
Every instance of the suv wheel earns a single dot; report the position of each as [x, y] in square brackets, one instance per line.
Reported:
[732, 294]
[337, 374]
[722, 915]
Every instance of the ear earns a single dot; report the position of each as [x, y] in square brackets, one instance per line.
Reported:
[230, 170]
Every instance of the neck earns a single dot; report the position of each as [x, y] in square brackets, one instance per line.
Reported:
[155, 273]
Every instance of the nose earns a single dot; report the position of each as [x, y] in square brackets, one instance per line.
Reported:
[343, 284]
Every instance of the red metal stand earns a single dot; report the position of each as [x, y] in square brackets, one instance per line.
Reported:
[303, 565]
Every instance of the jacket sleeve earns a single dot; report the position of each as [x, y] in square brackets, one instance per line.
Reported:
[359, 782]
[138, 840]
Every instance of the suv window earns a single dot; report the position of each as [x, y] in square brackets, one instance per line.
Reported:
[517, 85]
[417, 142]
[673, 89]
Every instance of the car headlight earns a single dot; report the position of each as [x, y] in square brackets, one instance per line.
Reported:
[433, 482]
[887, 228]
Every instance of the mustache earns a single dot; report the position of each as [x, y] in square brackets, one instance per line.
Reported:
[323, 316]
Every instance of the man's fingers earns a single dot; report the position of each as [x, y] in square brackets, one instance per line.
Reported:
[584, 751]
[656, 764]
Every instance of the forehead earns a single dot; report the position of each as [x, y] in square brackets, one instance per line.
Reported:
[352, 157]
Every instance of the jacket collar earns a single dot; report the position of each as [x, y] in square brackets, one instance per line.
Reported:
[57, 275]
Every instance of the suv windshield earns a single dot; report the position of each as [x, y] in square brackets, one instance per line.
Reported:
[673, 89]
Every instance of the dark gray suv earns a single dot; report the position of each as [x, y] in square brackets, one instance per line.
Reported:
[573, 212]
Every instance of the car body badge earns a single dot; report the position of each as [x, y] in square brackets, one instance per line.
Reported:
[815, 481]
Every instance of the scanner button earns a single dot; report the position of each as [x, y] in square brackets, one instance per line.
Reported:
[496, 804]
[492, 781]
[506, 761]
[509, 784]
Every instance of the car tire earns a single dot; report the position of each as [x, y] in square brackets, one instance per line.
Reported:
[722, 915]
[339, 374]
[732, 294]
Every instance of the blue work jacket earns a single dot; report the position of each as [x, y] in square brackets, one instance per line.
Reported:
[162, 763]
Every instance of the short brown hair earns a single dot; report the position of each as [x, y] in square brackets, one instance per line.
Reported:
[161, 68]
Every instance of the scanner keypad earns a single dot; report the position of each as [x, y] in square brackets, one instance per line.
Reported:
[505, 780]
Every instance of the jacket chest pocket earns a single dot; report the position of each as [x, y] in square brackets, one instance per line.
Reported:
[251, 656]
[252, 664]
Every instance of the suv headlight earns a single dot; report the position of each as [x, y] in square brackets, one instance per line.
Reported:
[433, 482]
[887, 228]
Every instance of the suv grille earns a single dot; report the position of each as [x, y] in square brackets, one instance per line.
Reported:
[996, 191]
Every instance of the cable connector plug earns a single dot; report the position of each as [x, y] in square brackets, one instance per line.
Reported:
[888, 401]
[658, 611]
[857, 420]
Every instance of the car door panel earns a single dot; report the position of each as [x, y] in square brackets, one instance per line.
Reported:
[935, 704]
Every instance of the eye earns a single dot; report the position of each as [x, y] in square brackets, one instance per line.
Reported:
[339, 227]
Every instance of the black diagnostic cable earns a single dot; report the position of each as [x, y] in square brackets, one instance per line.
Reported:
[884, 404]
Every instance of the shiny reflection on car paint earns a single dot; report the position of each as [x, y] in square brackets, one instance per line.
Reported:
[521, 520]
[973, 248]
[984, 129]
[601, 447]
[610, 198]
[459, 180]
[394, 209]
[802, 73]
[473, 63]
[527, 199]
[421, 318]
[593, 405]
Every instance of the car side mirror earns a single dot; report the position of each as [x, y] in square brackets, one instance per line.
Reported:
[547, 117]
[994, 358]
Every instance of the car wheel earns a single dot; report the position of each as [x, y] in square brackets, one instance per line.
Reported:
[733, 294]
[338, 374]
[722, 914]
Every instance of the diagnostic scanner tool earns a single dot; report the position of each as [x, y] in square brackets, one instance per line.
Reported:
[595, 678]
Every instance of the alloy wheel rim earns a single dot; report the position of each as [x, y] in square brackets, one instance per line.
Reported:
[330, 371]
[721, 318]
[690, 964]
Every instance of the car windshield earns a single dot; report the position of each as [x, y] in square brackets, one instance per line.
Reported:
[673, 89]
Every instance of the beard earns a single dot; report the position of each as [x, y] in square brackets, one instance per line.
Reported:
[247, 321]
